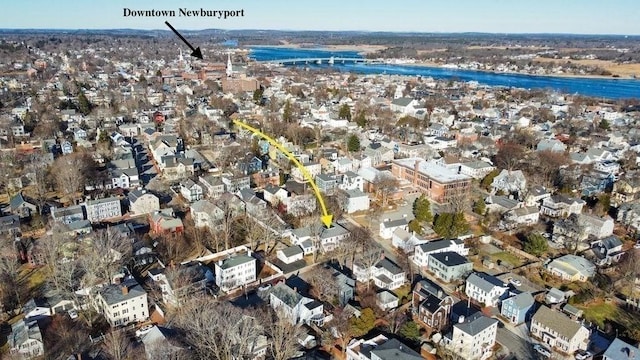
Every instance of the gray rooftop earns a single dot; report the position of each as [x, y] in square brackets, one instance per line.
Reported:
[449, 258]
[114, 294]
[484, 281]
[235, 261]
[475, 324]
[556, 321]
[622, 350]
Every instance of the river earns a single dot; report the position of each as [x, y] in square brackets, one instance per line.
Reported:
[595, 87]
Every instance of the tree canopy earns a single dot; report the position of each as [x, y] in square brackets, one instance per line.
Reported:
[488, 180]
[361, 120]
[344, 112]
[450, 225]
[84, 106]
[536, 244]
[479, 207]
[422, 209]
[353, 143]
[362, 325]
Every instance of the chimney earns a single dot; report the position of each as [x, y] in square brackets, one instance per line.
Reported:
[446, 258]
[125, 289]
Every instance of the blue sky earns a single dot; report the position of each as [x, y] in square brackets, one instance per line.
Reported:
[499, 16]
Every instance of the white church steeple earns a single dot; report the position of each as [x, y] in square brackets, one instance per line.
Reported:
[229, 68]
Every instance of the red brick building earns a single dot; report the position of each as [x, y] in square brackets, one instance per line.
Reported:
[439, 183]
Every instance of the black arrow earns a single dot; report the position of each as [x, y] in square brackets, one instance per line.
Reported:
[196, 51]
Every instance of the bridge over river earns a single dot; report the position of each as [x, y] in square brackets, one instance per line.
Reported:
[323, 60]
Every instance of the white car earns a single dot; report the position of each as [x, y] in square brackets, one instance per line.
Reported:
[73, 314]
[583, 355]
[515, 282]
[542, 350]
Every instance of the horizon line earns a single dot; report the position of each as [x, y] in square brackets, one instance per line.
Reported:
[334, 31]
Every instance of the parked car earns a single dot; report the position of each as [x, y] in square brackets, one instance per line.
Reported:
[542, 350]
[515, 282]
[73, 314]
[583, 355]
[143, 330]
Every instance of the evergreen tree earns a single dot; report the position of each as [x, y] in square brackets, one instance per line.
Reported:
[257, 95]
[488, 180]
[422, 209]
[287, 114]
[536, 244]
[84, 106]
[479, 207]
[361, 120]
[362, 325]
[410, 331]
[604, 124]
[450, 225]
[344, 112]
[414, 226]
[353, 143]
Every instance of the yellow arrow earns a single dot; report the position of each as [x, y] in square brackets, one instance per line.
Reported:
[326, 217]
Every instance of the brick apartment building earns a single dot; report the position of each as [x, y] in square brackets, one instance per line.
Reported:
[437, 182]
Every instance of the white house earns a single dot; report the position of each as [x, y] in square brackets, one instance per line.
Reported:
[527, 215]
[122, 304]
[422, 251]
[313, 169]
[404, 105]
[205, 214]
[290, 254]
[380, 348]
[142, 202]
[355, 201]
[561, 206]
[25, 339]
[328, 238]
[476, 169]
[485, 289]
[191, 191]
[351, 181]
[388, 226]
[295, 307]
[235, 271]
[100, 209]
[385, 274]
[559, 331]
[473, 338]
[509, 182]
[405, 240]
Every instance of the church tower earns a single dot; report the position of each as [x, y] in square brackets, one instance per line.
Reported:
[229, 68]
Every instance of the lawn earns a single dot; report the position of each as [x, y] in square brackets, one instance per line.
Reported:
[599, 311]
[506, 257]
[403, 291]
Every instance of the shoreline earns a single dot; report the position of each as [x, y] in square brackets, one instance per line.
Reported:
[361, 49]
[571, 76]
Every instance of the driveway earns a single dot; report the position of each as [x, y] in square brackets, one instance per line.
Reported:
[519, 347]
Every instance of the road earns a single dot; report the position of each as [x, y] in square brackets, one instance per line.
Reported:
[519, 347]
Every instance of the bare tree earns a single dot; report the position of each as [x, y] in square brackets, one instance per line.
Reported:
[69, 174]
[369, 256]
[217, 330]
[42, 180]
[102, 258]
[283, 336]
[117, 345]
[9, 273]
[384, 185]
[509, 155]
[323, 285]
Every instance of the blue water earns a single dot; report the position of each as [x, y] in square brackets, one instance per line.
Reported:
[604, 88]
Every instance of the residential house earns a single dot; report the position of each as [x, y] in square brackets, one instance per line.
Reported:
[252, 203]
[501, 204]
[620, 350]
[300, 204]
[517, 308]
[25, 339]
[388, 227]
[206, 214]
[553, 145]
[558, 331]
[159, 342]
[449, 266]
[380, 348]
[290, 254]
[379, 154]
[236, 271]
[122, 304]
[10, 224]
[386, 300]
[555, 296]
[342, 165]
[67, 215]
[404, 105]
[48, 305]
[327, 183]
[437, 182]
[124, 178]
[310, 169]
[476, 169]
[351, 181]
[509, 182]
[356, 201]
[142, 202]
[527, 215]
[191, 191]
[66, 147]
[250, 164]
[536, 195]
[629, 215]
[385, 274]
[473, 338]
[182, 281]
[561, 206]
[571, 268]
[346, 287]
[21, 206]
[101, 209]
[164, 222]
[431, 306]
[485, 289]
[328, 238]
[211, 185]
[406, 241]
[626, 189]
[296, 308]
[607, 251]
[422, 251]
[577, 228]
